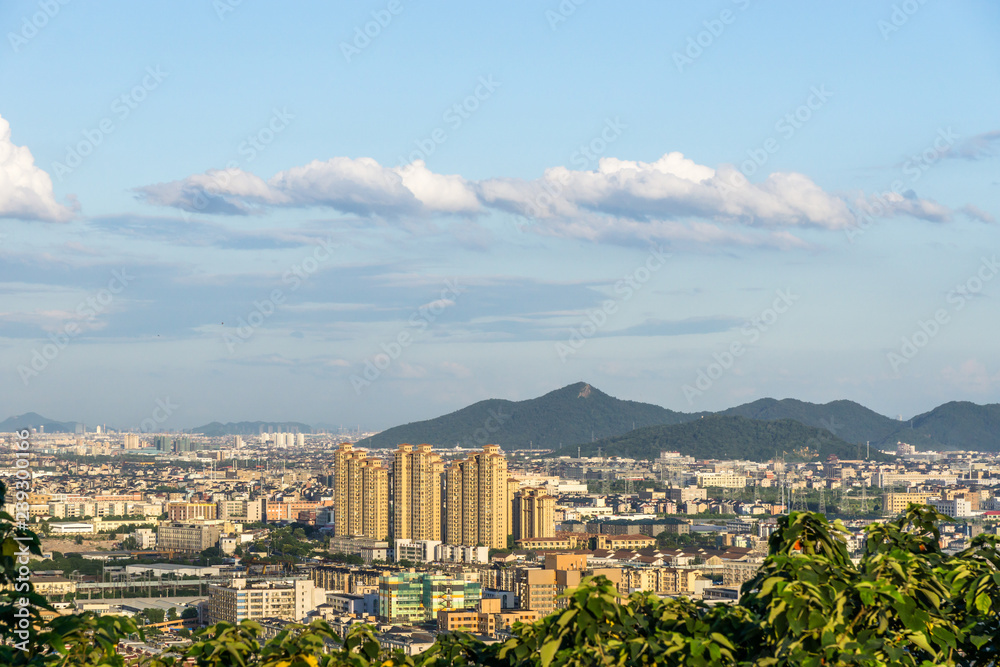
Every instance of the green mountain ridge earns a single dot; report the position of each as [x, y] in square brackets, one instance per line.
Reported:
[847, 420]
[561, 419]
[572, 414]
[953, 425]
[728, 437]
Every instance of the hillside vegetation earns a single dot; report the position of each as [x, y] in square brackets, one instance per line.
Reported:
[955, 425]
[847, 420]
[719, 437]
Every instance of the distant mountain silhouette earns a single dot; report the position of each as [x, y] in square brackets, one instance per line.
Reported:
[580, 413]
[34, 420]
[576, 413]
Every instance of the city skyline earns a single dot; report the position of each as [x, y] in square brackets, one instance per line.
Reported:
[329, 221]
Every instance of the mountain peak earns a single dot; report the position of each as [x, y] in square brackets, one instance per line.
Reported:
[558, 418]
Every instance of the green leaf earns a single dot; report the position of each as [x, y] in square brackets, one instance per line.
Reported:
[983, 603]
[548, 651]
[57, 643]
[566, 618]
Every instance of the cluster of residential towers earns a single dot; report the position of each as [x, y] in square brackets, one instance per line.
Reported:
[471, 501]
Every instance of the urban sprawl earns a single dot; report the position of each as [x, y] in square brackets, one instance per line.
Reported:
[184, 530]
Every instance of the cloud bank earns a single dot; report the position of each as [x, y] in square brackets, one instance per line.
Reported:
[671, 198]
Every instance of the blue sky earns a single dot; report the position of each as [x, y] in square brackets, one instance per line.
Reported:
[264, 213]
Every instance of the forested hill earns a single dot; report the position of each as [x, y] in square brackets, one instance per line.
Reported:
[722, 437]
[574, 414]
[847, 420]
[580, 414]
[954, 425]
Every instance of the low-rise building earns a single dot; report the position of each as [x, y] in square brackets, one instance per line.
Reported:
[735, 573]
[242, 511]
[346, 579]
[174, 570]
[191, 511]
[487, 618]
[956, 507]
[429, 551]
[896, 503]
[53, 585]
[240, 601]
[725, 480]
[562, 540]
[71, 528]
[408, 640]
[145, 538]
[369, 549]
[616, 542]
[688, 494]
[189, 537]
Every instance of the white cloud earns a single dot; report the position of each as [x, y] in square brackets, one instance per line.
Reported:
[437, 303]
[977, 213]
[25, 190]
[673, 187]
[360, 186]
[230, 191]
[892, 204]
[436, 191]
[672, 198]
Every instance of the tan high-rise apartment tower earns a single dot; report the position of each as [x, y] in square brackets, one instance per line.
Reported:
[416, 489]
[533, 511]
[361, 494]
[478, 495]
